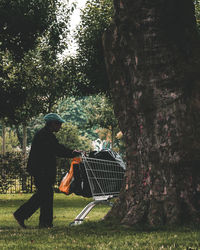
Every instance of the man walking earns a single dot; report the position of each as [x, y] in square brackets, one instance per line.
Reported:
[42, 166]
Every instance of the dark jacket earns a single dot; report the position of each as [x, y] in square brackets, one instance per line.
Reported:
[44, 150]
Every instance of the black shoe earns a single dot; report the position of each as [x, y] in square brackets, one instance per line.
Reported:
[19, 221]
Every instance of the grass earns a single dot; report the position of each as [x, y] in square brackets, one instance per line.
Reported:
[92, 234]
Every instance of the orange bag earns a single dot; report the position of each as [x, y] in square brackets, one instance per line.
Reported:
[68, 178]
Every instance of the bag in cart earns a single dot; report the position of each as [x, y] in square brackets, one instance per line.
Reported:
[76, 180]
[107, 154]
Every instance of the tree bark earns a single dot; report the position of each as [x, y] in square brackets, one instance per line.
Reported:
[20, 138]
[24, 156]
[3, 138]
[24, 141]
[152, 57]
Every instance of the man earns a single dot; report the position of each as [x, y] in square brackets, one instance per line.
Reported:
[42, 166]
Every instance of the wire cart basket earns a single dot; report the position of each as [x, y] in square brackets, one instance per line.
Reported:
[105, 179]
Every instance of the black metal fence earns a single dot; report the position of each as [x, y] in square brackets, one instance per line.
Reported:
[15, 179]
[17, 184]
[23, 185]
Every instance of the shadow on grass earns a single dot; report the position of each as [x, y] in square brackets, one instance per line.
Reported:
[109, 228]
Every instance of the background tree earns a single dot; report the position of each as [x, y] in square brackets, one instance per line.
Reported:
[31, 75]
[94, 117]
[74, 110]
[22, 22]
[28, 84]
[101, 116]
[197, 12]
[152, 54]
[69, 136]
[89, 65]
[12, 143]
[40, 27]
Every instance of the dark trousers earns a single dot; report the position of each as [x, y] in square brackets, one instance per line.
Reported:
[43, 199]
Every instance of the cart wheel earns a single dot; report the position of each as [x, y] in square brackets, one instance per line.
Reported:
[76, 222]
[111, 204]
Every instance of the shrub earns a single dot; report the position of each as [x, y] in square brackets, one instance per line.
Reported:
[11, 168]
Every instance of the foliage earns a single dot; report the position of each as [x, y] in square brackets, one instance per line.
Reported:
[91, 76]
[32, 86]
[100, 112]
[87, 113]
[51, 82]
[10, 169]
[69, 136]
[33, 125]
[92, 234]
[22, 22]
[19, 90]
[75, 110]
[92, 115]
[33, 83]
[197, 12]
[11, 140]
[101, 115]
[11, 94]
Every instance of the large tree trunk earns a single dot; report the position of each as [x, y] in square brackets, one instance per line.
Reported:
[152, 56]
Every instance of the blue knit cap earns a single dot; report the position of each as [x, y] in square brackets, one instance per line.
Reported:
[53, 117]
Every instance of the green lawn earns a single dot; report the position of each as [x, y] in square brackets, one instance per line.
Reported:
[92, 234]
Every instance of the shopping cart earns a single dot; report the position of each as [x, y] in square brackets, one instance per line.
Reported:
[105, 179]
